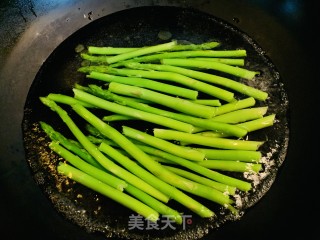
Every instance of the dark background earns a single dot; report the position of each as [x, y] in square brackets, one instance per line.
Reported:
[285, 29]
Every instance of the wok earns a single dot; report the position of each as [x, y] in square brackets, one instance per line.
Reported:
[281, 34]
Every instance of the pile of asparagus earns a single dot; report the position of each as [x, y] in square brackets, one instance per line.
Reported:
[201, 121]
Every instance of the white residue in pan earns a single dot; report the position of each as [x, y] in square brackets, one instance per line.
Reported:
[267, 162]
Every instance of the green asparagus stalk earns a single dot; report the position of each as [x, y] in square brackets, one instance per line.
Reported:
[93, 131]
[158, 206]
[186, 54]
[127, 111]
[194, 47]
[173, 179]
[103, 59]
[98, 141]
[178, 104]
[249, 126]
[65, 99]
[100, 157]
[173, 157]
[146, 83]
[208, 102]
[206, 181]
[88, 168]
[241, 115]
[235, 71]
[88, 90]
[229, 61]
[223, 182]
[115, 182]
[231, 155]
[108, 191]
[109, 50]
[167, 76]
[236, 105]
[76, 143]
[205, 77]
[144, 160]
[163, 145]
[141, 51]
[198, 122]
[232, 166]
[132, 166]
[71, 146]
[116, 117]
[221, 143]
[212, 134]
[257, 124]
[178, 47]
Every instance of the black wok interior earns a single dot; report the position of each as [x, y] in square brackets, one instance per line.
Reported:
[267, 210]
[140, 27]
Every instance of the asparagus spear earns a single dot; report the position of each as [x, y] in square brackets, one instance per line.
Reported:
[260, 123]
[145, 160]
[71, 146]
[127, 111]
[241, 115]
[208, 102]
[154, 203]
[61, 98]
[109, 50]
[231, 155]
[173, 179]
[88, 168]
[100, 157]
[207, 141]
[178, 104]
[191, 46]
[221, 181]
[186, 54]
[236, 71]
[163, 145]
[232, 166]
[141, 51]
[115, 182]
[236, 105]
[117, 117]
[206, 181]
[167, 76]
[177, 47]
[108, 191]
[205, 77]
[249, 126]
[147, 83]
[197, 122]
[238, 112]
[173, 157]
[229, 61]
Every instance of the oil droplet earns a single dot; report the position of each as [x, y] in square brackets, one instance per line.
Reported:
[236, 20]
